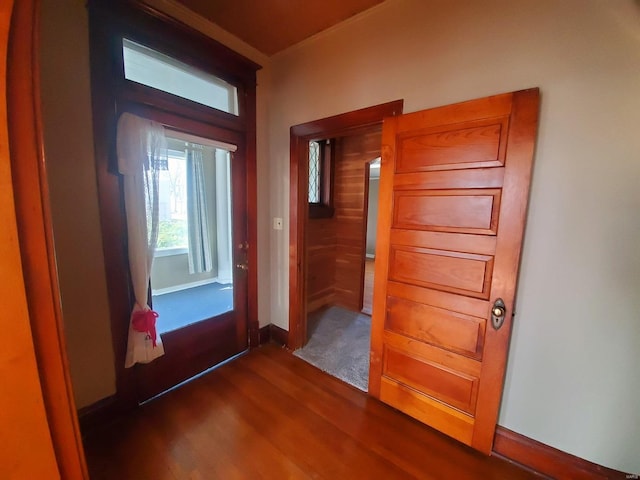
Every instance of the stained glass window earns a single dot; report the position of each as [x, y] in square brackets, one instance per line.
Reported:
[314, 172]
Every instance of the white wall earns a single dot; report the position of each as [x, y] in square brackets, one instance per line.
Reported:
[172, 271]
[571, 380]
[68, 142]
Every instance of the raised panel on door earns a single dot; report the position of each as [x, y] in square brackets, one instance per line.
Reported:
[457, 272]
[470, 211]
[473, 144]
[453, 331]
[453, 196]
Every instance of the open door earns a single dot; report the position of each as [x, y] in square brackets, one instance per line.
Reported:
[199, 276]
[453, 197]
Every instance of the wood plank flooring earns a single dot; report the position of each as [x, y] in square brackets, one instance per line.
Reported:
[270, 415]
[367, 295]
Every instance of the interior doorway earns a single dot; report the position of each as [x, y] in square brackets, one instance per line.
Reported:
[301, 135]
[327, 306]
[371, 216]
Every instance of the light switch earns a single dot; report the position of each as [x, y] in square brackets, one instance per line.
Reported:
[277, 223]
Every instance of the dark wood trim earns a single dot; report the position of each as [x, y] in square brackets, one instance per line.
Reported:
[336, 126]
[341, 124]
[547, 460]
[112, 213]
[320, 211]
[103, 412]
[265, 334]
[109, 21]
[226, 63]
[273, 334]
[252, 217]
[278, 335]
[35, 235]
[298, 211]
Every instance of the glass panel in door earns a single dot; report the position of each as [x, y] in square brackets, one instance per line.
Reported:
[192, 274]
[198, 278]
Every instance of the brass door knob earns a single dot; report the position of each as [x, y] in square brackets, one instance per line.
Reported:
[497, 313]
[242, 266]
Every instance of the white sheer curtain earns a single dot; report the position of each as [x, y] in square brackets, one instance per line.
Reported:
[223, 216]
[141, 148]
[200, 258]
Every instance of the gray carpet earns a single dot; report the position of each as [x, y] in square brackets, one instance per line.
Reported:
[339, 344]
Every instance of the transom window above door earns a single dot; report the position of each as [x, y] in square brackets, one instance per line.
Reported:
[156, 70]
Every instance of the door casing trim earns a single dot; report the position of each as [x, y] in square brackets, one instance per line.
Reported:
[108, 20]
[336, 126]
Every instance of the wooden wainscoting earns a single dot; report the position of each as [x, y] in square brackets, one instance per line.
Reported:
[350, 201]
[321, 262]
[367, 296]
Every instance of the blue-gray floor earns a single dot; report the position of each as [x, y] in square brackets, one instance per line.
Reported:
[178, 309]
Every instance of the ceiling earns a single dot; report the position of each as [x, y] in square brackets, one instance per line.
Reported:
[271, 26]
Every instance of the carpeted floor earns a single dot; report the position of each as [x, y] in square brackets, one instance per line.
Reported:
[178, 309]
[339, 344]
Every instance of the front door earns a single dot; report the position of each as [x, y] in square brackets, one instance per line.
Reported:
[453, 196]
[199, 273]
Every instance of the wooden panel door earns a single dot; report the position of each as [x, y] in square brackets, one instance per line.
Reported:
[453, 196]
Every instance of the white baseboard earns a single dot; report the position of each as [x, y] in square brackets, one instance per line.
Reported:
[184, 286]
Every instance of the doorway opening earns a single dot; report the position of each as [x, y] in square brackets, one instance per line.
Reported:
[371, 216]
[327, 279]
[204, 280]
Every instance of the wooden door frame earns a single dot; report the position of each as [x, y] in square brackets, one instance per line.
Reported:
[35, 235]
[330, 127]
[109, 19]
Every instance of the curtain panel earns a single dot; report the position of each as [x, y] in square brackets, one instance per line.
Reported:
[141, 148]
[200, 257]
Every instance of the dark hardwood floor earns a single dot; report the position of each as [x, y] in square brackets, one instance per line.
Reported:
[270, 415]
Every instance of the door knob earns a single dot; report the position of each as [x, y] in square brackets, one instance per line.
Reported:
[498, 313]
[242, 266]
